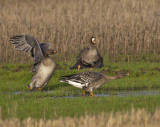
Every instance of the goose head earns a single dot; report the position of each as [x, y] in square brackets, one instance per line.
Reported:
[47, 51]
[92, 40]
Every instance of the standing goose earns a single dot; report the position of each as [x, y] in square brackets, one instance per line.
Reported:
[90, 80]
[89, 57]
[43, 65]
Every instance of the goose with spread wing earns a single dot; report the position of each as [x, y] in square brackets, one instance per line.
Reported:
[90, 80]
[43, 65]
[89, 57]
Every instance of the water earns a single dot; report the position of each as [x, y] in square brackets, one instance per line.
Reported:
[120, 93]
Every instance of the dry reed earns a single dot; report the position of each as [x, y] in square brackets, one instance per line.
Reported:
[139, 118]
[122, 27]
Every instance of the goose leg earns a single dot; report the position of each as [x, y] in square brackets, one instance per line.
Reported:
[79, 67]
[30, 88]
[40, 88]
[91, 93]
[84, 92]
[91, 69]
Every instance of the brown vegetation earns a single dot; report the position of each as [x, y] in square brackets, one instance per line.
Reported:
[121, 27]
[139, 118]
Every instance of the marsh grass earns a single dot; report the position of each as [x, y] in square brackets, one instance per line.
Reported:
[134, 118]
[38, 108]
[126, 30]
[143, 75]
[40, 105]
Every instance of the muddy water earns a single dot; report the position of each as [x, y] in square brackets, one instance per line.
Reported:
[131, 93]
[120, 94]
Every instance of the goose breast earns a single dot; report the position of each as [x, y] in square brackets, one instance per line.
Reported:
[90, 56]
[45, 71]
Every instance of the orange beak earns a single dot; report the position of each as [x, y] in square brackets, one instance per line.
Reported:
[54, 51]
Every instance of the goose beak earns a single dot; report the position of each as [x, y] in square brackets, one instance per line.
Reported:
[40, 88]
[54, 51]
[127, 74]
[30, 88]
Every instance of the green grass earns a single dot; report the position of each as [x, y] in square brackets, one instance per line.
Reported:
[19, 106]
[39, 104]
[143, 75]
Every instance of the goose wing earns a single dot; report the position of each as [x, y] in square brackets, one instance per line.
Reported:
[28, 43]
[81, 79]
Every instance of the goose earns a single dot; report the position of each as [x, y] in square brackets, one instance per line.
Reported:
[89, 57]
[90, 80]
[43, 65]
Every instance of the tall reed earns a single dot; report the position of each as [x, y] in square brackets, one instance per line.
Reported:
[122, 27]
[139, 118]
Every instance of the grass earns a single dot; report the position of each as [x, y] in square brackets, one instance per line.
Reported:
[19, 106]
[40, 104]
[126, 31]
[143, 75]
[134, 118]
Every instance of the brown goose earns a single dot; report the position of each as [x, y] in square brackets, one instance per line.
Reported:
[89, 57]
[43, 65]
[90, 80]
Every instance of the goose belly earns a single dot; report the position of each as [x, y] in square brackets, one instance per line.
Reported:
[44, 74]
[75, 84]
[91, 56]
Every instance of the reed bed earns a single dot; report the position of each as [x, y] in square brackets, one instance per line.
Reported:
[133, 118]
[124, 29]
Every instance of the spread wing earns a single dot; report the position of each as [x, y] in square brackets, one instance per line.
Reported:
[28, 43]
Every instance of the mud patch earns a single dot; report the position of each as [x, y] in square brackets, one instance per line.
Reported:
[119, 94]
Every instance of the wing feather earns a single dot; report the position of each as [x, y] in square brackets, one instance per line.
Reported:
[27, 43]
[83, 78]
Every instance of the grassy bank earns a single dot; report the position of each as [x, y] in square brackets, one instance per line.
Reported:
[40, 104]
[22, 106]
[143, 75]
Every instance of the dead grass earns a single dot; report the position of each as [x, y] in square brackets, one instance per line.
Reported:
[122, 27]
[139, 118]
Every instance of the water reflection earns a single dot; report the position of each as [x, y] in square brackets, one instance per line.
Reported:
[119, 93]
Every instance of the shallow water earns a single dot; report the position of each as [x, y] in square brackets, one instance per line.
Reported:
[130, 93]
[119, 93]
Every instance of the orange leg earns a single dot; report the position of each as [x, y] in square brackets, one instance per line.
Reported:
[91, 69]
[84, 92]
[91, 93]
[30, 88]
[40, 88]
[79, 67]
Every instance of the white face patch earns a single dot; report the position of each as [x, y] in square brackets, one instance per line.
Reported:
[93, 40]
